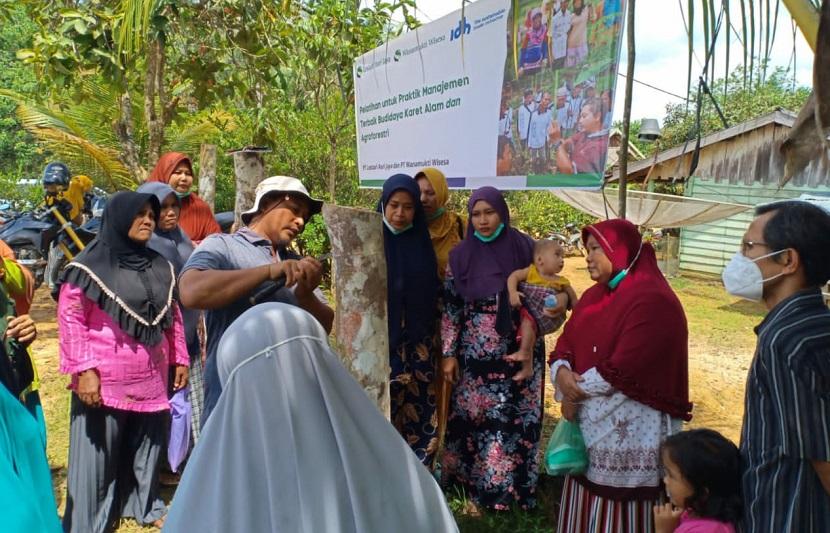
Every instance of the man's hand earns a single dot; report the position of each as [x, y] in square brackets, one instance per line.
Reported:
[290, 268]
[180, 380]
[21, 328]
[560, 308]
[89, 387]
[666, 518]
[310, 277]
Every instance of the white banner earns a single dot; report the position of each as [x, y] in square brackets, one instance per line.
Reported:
[493, 97]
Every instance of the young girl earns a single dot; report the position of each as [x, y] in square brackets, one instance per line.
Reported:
[702, 477]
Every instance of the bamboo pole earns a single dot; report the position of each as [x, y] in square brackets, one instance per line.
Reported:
[629, 86]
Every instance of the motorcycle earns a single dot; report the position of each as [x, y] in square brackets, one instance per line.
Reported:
[570, 240]
[30, 235]
[88, 230]
[68, 245]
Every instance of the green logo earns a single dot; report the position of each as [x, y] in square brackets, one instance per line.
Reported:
[359, 71]
[398, 55]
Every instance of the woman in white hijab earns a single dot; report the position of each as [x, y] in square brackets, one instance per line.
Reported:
[295, 445]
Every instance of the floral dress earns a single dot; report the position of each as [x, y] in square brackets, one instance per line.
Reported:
[495, 423]
[412, 395]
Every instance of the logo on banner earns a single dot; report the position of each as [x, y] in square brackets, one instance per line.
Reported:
[398, 54]
[359, 71]
[463, 27]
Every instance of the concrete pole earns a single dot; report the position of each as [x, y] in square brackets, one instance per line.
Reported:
[249, 168]
[207, 174]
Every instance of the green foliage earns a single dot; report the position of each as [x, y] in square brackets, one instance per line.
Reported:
[540, 213]
[19, 155]
[738, 103]
[20, 196]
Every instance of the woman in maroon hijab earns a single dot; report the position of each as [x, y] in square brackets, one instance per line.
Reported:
[196, 217]
[621, 372]
[495, 423]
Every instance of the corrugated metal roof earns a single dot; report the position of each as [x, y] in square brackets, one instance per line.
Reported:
[779, 116]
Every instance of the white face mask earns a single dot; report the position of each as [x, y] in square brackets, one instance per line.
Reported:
[742, 277]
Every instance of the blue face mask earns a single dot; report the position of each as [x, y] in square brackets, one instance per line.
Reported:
[492, 237]
[182, 194]
[393, 229]
[437, 213]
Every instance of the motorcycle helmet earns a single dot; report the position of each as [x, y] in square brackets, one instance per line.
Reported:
[56, 174]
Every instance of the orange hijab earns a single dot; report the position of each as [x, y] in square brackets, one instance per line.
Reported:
[447, 229]
[196, 218]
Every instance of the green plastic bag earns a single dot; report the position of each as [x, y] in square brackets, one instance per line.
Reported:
[566, 453]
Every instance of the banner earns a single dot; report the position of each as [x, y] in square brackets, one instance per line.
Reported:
[515, 94]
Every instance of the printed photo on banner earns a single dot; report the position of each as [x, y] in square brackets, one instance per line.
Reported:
[557, 94]
[541, 73]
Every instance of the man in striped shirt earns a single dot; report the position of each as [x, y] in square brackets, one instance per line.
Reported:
[785, 441]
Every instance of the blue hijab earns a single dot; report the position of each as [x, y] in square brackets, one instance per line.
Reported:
[174, 245]
[411, 270]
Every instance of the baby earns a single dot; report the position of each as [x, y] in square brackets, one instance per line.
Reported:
[546, 295]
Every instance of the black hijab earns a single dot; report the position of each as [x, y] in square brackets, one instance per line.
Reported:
[131, 283]
[412, 271]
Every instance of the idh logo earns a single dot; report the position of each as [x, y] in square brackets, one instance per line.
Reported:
[462, 28]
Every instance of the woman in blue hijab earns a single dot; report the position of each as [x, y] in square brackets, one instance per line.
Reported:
[171, 242]
[412, 308]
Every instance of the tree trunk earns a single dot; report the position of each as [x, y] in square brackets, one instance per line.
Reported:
[359, 276]
[332, 171]
[158, 107]
[207, 174]
[123, 128]
[249, 168]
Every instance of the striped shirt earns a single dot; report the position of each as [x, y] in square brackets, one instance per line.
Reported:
[787, 419]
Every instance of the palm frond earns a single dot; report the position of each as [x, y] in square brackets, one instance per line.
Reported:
[135, 24]
[55, 132]
[189, 136]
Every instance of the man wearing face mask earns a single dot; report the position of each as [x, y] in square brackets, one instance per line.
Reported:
[785, 442]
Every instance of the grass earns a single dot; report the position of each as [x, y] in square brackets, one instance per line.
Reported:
[721, 343]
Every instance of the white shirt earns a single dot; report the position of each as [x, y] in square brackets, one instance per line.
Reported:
[560, 25]
[505, 123]
[539, 125]
[525, 110]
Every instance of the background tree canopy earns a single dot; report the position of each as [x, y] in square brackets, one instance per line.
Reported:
[109, 85]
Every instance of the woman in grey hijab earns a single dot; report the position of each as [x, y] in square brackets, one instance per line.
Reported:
[172, 243]
[295, 445]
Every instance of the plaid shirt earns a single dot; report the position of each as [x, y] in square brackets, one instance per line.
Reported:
[787, 419]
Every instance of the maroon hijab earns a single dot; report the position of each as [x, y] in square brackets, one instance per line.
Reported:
[636, 334]
[481, 268]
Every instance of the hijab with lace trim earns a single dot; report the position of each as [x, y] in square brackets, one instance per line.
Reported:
[131, 283]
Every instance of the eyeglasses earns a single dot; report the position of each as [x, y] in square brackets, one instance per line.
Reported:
[747, 246]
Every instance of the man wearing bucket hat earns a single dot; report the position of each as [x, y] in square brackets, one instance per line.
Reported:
[226, 270]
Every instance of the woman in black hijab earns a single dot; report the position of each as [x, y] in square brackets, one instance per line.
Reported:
[120, 330]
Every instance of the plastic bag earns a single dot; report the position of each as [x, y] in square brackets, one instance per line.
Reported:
[179, 443]
[566, 453]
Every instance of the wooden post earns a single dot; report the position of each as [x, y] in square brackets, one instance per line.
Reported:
[207, 174]
[629, 86]
[249, 168]
[359, 276]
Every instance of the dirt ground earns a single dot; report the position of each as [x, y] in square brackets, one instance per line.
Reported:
[721, 343]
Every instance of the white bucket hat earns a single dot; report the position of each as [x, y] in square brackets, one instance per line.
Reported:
[284, 185]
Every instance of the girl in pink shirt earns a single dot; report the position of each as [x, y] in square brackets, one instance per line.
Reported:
[120, 331]
[702, 478]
